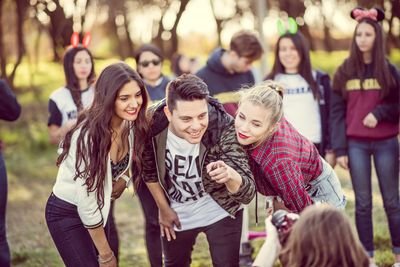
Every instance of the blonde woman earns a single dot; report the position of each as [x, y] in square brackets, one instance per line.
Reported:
[284, 163]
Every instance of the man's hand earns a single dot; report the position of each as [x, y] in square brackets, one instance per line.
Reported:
[370, 121]
[118, 188]
[343, 162]
[167, 219]
[224, 174]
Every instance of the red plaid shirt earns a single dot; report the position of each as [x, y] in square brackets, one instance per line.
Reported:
[287, 162]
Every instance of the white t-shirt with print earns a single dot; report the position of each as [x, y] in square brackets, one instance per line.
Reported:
[299, 106]
[62, 107]
[194, 207]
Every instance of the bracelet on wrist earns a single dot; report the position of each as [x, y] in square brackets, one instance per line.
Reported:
[101, 261]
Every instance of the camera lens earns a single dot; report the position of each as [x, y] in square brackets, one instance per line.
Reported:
[278, 218]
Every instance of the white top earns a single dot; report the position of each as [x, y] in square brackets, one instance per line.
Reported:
[75, 191]
[65, 104]
[194, 206]
[299, 106]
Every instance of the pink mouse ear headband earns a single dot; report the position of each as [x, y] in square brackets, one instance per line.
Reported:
[85, 41]
[375, 14]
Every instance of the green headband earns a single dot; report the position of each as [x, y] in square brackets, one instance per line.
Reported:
[289, 27]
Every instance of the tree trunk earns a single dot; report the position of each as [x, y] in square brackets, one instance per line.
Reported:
[296, 9]
[174, 34]
[158, 41]
[21, 7]
[3, 59]
[129, 44]
[60, 30]
[394, 41]
[218, 22]
[327, 36]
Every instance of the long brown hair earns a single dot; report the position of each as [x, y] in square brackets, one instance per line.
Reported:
[94, 132]
[304, 68]
[72, 82]
[354, 66]
[323, 236]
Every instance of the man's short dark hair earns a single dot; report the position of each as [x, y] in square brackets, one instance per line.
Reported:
[246, 44]
[187, 87]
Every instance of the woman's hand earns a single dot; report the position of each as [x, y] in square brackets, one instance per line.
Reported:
[370, 121]
[269, 251]
[107, 260]
[343, 162]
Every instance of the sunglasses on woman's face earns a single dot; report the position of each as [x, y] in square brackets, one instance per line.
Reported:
[146, 63]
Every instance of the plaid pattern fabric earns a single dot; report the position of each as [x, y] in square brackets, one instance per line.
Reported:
[286, 163]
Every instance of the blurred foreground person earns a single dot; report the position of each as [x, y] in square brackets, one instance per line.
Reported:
[322, 236]
[9, 111]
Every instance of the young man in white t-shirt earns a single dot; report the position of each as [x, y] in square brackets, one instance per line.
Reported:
[198, 174]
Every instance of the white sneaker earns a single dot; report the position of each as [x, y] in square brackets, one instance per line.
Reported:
[397, 264]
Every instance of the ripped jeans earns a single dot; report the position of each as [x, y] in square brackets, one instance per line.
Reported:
[326, 188]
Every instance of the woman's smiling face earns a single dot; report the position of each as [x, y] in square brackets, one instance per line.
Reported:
[252, 123]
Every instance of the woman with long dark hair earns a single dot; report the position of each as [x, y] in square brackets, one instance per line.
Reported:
[365, 120]
[101, 155]
[307, 91]
[66, 102]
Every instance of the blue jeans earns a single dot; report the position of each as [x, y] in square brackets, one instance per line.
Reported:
[326, 188]
[223, 240]
[152, 229]
[71, 238]
[386, 160]
[4, 249]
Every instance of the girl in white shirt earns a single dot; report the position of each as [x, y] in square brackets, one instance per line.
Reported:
[66, 102]
[99, 155]
[307, 92]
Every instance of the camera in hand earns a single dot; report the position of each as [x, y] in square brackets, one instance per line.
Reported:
[284, 221]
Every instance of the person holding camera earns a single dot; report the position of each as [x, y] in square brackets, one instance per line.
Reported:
[284, 163]
[316, 225]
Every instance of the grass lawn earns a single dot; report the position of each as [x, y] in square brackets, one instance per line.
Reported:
[31, 172]
[31, 180]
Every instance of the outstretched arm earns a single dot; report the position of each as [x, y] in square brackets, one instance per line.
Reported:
[224, 174]
[269, 251]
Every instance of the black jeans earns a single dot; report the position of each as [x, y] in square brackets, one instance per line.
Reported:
[4, 249]
[71, 238]
[223, 239]
[152, 229]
